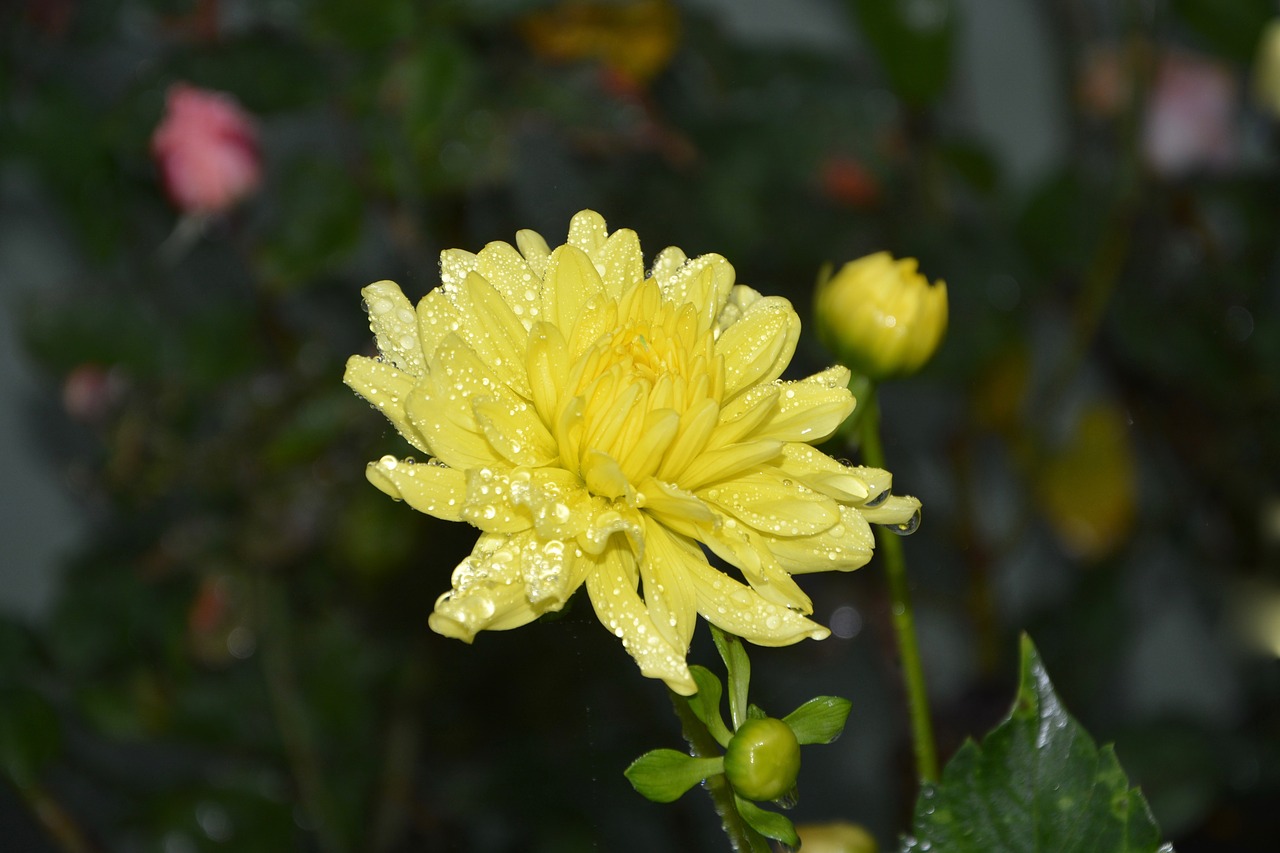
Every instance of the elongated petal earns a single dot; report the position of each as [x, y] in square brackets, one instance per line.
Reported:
[668, 588]
[842, 547]
[821, 473]
[387, 388]
[809, 410]
[727, 462]
[612, 587]
[759, 347]
[748, 552]
[511, 275]
[535, 251]
[395, 326]
[514, 431]
[741, 610]
[505, 335]
[779, 507]
[571, 280]
[487, 592]
[448, 425]
[430, 487]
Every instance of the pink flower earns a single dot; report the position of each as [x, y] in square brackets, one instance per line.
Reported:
[207, 150]
[1191, 114]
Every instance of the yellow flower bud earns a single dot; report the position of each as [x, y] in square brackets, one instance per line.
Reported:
[763, 759]
[880, 316]
[1266, 71]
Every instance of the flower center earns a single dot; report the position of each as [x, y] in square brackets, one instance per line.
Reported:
[635, 385]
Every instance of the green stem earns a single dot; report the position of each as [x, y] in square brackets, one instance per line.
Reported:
[895, 565]
[742, 838]
[293, 720]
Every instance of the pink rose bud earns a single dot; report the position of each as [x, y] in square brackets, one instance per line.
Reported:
[207, 150]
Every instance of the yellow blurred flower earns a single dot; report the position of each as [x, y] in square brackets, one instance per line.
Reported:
[636, 38]
[1087, 488]
[836, 837]
[1266, 71]
[880, 316]
[601, 427]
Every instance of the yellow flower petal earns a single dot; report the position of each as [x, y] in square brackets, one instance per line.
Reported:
[488, 592]
[612, 587]
[430, 487]
[514, 431]
[571, 279]
[489, 505]
[669, 592]
[387, 388]
[842, 547]
[741, 610]
[759, 347]
[809, 410]
[747, 551]
[821, 473]
[394, 324]
[780, 507]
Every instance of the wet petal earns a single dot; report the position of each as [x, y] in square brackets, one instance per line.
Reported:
[748, 551]
[511, 276]
[741, 610]
[488, 593]
[897, 509]
[809, 410]
[429, 487]
[779, 507]
[505, 335]
[842, 547]
[726, 462]
[394, 324]
[387, 388]
[488, 503]
[759, 347]
[535, 251]
[612, 587]
[668, 588]
[821, 473]
[571, 280]
[514, 430]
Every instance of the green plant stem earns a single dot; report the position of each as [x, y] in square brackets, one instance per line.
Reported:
[292, 719]
[742, 838]
[895, 565]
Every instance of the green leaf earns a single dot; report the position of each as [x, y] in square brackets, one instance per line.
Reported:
[912, 39]
[768, 824]
[738, 665]
[1036, 783]
[663, 775]
[1231, 29]
[705, 704]
[820, 720]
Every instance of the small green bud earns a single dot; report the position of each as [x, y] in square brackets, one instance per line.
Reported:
[763, 759]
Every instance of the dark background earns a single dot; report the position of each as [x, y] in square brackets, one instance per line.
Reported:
[214, 632]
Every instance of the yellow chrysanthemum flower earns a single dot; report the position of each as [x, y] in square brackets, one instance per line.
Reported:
[608, 428]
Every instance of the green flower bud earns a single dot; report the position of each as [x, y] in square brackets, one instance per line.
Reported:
[763, 759]
[880, 316]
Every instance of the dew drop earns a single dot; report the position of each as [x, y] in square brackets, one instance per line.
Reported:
[907, 527]
[878, 499]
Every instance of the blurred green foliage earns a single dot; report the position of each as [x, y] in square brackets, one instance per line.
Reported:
[238, 655]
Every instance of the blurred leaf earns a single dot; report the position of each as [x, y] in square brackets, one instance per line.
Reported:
[913, 41]
[663, 775]
[1231, 28]
[30, 736]
[318, 225]
[1037, 783]
[266, 71]
[1060, 227]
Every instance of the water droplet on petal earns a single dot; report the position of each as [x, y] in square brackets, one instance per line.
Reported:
[906, 528]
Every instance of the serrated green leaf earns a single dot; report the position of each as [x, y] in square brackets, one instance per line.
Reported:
[663, 775]
[738, 666]
[705, 704]
[1036, 783]
[769, 824]
[820, 720]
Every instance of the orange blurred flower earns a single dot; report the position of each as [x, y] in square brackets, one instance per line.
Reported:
[635, 38]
